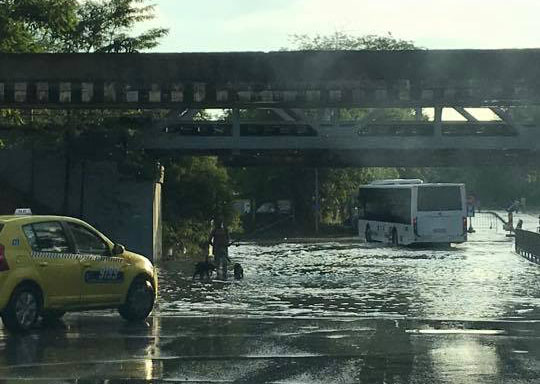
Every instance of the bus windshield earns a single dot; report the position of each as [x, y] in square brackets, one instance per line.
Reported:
[439, 198]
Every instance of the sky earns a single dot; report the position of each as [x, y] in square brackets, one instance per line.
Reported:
[266, 25]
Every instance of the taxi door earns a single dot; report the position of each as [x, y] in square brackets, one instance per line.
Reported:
[103, 276]
[57, 265]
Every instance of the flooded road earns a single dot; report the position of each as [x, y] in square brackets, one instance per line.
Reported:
[479, 280]
[331, 312]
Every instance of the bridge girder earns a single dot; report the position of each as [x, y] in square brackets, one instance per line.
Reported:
[400, 143]
[412, 79]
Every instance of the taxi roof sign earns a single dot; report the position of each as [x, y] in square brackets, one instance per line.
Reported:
[23, 211]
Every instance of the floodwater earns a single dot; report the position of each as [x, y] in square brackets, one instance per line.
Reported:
[333, 312]
[479, 280]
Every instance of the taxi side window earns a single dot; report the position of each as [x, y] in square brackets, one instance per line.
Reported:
[88, 242]
[31, 237]
[47, 237]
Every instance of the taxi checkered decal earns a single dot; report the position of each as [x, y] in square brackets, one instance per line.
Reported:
[74, 256]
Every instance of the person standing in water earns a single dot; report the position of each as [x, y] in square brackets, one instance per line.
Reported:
[220, 241]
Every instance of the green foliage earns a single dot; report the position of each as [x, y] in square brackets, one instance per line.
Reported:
[197, 190]
[198, 187]
[35, 25]
[340, 187]
[73, 26]
[187, 234]
[104, 27]
[343, 41]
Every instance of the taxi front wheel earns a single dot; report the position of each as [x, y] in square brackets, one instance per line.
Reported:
[139, 301]
[22, 311]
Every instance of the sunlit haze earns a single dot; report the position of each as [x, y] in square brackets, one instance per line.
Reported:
[248, 25]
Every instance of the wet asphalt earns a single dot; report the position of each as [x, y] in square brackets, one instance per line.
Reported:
[312, 313]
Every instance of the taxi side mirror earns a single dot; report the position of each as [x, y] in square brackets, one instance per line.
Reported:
[118, 249]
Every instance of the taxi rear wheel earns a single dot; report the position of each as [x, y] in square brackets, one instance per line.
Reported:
[22, 311]
[139, 301]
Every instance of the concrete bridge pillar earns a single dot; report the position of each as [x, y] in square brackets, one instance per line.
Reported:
[126, 208]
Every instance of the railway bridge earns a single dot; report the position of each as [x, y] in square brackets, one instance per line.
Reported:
[303, 92]
[302, 89]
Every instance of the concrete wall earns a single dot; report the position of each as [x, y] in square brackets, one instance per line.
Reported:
[126, 210]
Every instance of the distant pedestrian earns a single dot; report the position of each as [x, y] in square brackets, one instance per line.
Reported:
[220, 241]
[513, 207]
[519, 224]
[170, 253]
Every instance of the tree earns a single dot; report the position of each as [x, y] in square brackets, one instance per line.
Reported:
[343, 41]
[105, 26]
[337, 186]
[196, 191]
[73, 26]
[35, 25]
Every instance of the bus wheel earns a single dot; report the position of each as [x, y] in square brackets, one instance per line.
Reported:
[395, 241]
[369, 239]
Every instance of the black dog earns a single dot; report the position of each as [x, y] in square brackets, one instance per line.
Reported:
[204, 269]
[238, 272]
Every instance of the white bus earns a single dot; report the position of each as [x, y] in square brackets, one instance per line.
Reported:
[406, 212]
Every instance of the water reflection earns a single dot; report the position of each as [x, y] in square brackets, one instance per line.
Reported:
[99, 347]
[388, 365]
[103, 349]
[469, 359]
[477, 280]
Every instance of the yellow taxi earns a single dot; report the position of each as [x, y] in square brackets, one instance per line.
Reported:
[50, 265]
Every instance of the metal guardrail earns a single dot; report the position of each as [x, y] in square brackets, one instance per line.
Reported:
[527, 244]
[496, 215]
[487, 220]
